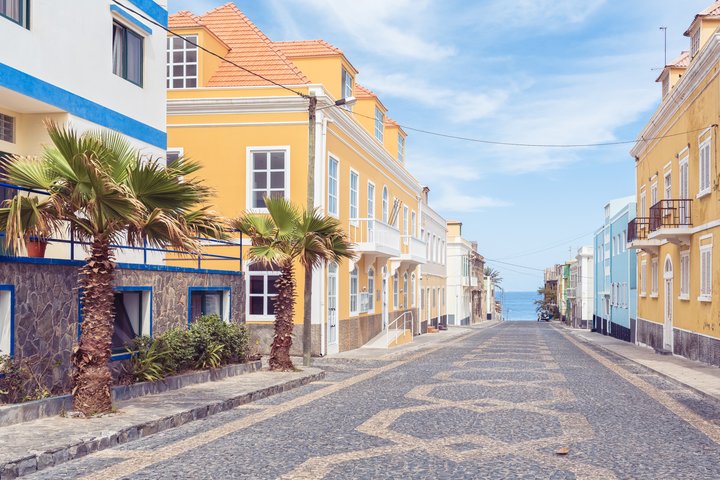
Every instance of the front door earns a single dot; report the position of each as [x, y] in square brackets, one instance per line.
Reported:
[384, 299]
[668, 326]
[332, 323]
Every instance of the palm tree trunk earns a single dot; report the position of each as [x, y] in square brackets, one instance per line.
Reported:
[92, 377]
[284, 314]
[307, 322]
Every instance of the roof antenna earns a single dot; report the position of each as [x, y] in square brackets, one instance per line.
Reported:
[664, 29]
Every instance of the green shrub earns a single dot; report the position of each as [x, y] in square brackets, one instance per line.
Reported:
[147, 359]
[209, 331]
[180, 350]
[20, 381]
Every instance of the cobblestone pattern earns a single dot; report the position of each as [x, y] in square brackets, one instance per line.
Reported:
[46, 309]
[497, 404]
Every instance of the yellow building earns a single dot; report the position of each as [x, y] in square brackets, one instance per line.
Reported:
[252, 138]
[678, 203]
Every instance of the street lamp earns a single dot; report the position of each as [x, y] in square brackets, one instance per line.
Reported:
[312, 108]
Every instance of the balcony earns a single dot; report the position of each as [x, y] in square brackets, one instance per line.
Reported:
[570, 292]
[374, 239]
[413, 250]
[671, 220]
[637, 236]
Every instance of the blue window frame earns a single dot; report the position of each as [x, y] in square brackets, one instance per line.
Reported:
[7, 319]
[127, 54]
[133, 317]
[17, 11]
[209, 301]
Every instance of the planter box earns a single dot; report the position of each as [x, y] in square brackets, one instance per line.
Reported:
[48, 407]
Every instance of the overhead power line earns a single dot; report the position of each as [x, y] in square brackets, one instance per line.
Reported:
[550, 247]
[405, 127]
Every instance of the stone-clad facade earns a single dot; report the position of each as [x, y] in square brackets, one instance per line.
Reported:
[46, 305]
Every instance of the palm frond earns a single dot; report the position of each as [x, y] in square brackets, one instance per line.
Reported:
[284, 215]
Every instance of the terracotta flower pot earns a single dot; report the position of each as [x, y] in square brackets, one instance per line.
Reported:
[35, 248]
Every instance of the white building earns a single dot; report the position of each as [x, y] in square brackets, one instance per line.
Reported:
[433, 273]
[460, 278]
[90, 64]
[581, 280]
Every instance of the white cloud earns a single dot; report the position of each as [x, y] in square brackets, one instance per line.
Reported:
[398, 28]
[453, 200]
[539, 14]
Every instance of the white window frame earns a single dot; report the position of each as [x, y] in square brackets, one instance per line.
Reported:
[354, 210]
[695, 43]
[354, 291]
[704, 168]
[643, 204]
[413, 224]
[684, 275]
[265, 274]
[406, 224]
[653, 194]
[333, 181]
[706, 268]
[347, 87]
[8, 128]
[370, 200]
[371, 290]
[643, 278]
[654, 278]
[413, 286]
[171, 64]
[405, 290]
[385, 204]
[379, 125]
[667, 185]
[401, 148]
[249, 174]
[396, 288]
[7, 320]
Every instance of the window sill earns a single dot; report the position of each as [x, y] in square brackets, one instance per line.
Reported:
[705, 299]
[263, 318]
[684, 298]
[654, 295]
[643, 295]
[703, 194]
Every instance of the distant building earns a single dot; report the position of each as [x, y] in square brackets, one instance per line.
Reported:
[615, 282]
[461, 279]
[433, 273]
[582, 275]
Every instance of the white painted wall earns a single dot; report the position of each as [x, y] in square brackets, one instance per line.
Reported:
[69, 45]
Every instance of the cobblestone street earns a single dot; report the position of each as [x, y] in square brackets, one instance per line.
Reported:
[499, 403]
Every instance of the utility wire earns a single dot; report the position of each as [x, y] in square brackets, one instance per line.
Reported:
[545, 249]
[405, 127]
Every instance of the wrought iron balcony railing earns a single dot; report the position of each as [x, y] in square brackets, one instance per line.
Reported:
[671, 213]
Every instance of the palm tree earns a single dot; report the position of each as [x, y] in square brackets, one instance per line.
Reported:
[282, 238]
[493, 275]
[103, 191]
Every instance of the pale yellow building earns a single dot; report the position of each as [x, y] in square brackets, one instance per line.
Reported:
[252, 138]
[678, 202]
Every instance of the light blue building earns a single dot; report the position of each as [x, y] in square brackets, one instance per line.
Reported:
[615, 279]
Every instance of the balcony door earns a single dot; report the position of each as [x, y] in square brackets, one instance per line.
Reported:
[384, 298]
[668, 325]
[684, 193]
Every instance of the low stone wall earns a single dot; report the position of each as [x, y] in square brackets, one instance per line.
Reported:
[355, 332]
[650, 334]
[262, 334]
[696, 347]
[47, 301]
[633, 330]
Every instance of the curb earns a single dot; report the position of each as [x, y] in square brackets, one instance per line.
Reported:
[38, 460]
[646, 368]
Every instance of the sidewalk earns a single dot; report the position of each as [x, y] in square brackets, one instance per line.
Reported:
[700, 377]
[38, 444]
[420, 342]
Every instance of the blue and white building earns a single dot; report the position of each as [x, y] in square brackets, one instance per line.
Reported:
[615, 276]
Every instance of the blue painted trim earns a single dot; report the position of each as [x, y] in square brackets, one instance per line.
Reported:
[45, 92]
[208, 289]
[153, 10]
[11, 289]
[124, 266]
[130, 19]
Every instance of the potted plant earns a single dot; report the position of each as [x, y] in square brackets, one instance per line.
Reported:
[25, 217]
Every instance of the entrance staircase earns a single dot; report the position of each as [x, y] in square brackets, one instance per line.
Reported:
[398, 332]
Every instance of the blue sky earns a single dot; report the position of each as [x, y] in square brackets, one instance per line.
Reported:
[527, 71]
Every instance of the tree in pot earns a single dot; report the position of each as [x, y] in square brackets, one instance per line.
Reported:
[282, 238]
[32, 223]
[105, 192]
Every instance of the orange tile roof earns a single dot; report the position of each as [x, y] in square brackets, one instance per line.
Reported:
[362, 92]
[308, 48]
[712, 10]
[248, 47]
[682, 61]
[183, 19]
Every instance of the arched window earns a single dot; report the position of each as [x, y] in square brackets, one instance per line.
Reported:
[354, 290]
[405, 290]
[396, 288]
[371, 290]
[412, 290]
[385, 205]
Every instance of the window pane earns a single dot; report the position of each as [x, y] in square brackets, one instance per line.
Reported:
[260, 161]
[178, 43]
[259, 180]
[177, 57]
[257, 305]
[271, 289]
[257, 284]
[277, 194]
[177, 83]
[134, 57]
[191, 70]
[277, 180]
[212, 304]
[271, 305]
[118, 51]
[178, 70]
[191, 83]
[259, 200]
[191, 56]
[277, 160]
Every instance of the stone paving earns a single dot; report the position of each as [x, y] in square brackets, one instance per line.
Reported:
[498, 403]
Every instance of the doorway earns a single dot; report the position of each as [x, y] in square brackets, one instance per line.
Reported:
[384, 298]
[332, 320]
[668, 325]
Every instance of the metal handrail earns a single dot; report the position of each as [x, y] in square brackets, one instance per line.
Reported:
[404, 327]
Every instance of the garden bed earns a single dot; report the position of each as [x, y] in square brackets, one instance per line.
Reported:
[23, 412]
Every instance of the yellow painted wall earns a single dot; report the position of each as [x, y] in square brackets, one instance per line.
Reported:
[365, 108]
[429, 284]
[693, 315]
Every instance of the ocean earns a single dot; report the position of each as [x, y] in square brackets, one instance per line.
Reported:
[520, 306]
